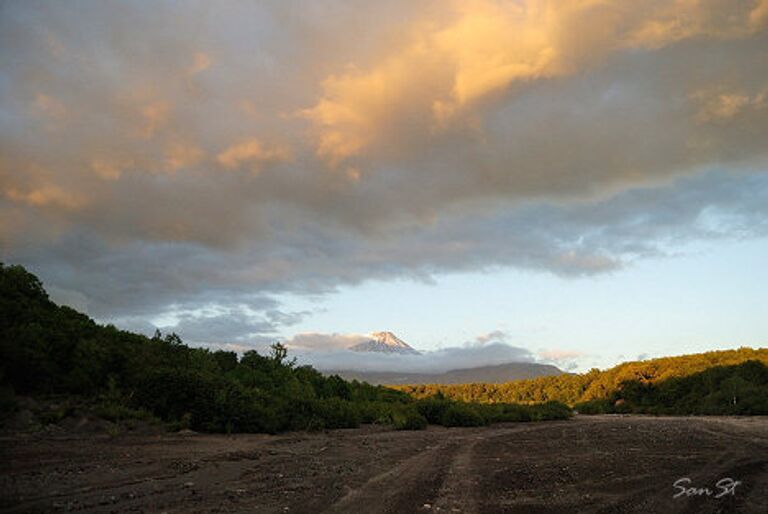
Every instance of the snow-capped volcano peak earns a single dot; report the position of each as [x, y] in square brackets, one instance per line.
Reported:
[384, 342]
[389, 339]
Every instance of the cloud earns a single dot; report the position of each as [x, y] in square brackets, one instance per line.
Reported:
[486, 48]
[49, 107]
[717, 104]
[109, 169]
[250, 325]
[330, 352]
[575, 240]
[201, 62]
[313, 342]
[559, 355]
[564, 359]
[46, 195]
[491, 337]
[254, 152]
[570, 138]
[179, 155]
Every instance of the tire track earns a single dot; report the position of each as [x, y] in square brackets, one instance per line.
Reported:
[460, 489]
[407, 487]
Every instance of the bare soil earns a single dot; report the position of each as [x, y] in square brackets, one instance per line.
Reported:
[587, 464]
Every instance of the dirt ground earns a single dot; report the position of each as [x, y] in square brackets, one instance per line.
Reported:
[587, 464]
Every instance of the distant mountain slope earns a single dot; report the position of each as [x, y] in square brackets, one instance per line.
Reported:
[594, 384]
[483, 374]
[385, 342]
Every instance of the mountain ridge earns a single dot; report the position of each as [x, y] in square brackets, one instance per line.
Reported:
[493, 374]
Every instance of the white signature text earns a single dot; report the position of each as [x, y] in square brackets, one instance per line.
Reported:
[723, 487]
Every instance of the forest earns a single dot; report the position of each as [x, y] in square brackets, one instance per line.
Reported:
[720, 382]
[54, 352]
[740, 389]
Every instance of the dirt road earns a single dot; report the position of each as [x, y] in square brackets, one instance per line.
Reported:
[588, 464]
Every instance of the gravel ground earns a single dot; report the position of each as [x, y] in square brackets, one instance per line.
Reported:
[587, 464]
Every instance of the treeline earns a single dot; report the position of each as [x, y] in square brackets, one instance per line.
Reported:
[573, 389]
[46, 349]
[741, 389]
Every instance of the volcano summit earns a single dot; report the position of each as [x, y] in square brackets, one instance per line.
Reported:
[385, 342]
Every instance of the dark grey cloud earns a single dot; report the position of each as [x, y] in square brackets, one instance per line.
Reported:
[137, 280]
[231, 325]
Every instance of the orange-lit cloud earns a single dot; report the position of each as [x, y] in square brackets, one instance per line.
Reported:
[715, 104]
[758, 16]
[487, 47]
[154, 115]
[252, 152]
[46, 195]
[109, 169]
[181, 155]
[201, 62]
[49, 106]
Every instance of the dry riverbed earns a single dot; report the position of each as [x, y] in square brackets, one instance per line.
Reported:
[587, 464]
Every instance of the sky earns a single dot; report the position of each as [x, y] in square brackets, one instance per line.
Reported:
[577, 183]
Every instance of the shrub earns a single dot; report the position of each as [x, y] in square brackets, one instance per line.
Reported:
[506, 412]
[117, 412]
[8, 403]
[372, 412]
[407, 418]
[462, 415]
[550, 411]
[433, 409]
[171, 393]
[338, 413]
[56, 412]
[594, 407]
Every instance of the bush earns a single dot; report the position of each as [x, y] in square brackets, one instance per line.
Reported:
[550, 411]
[506, 412]
[55, 412]
[462, 415]
[172, 393]
[433, 409]
[594, 407]
[338, 413]
[8, 403]
[372, 412]
[118, 413]
[407, 418]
